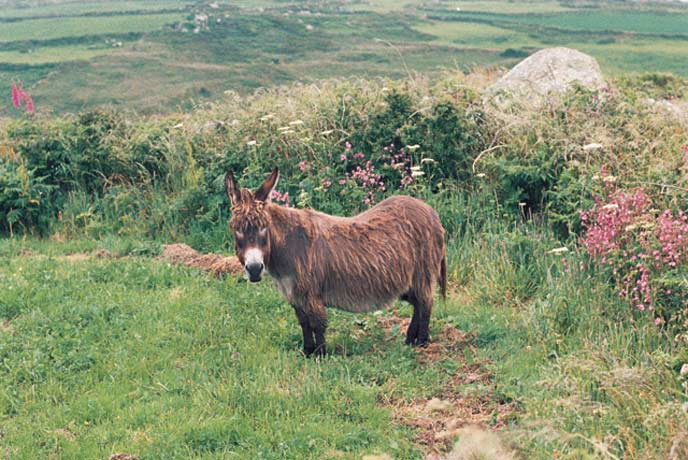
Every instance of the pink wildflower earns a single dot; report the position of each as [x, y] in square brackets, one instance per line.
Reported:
[15, 96]
[282, 198]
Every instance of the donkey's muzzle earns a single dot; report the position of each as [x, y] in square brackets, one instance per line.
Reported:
[254, 272]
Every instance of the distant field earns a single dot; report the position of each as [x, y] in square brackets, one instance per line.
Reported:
[76, 8]
[63, 51]
[474, 35]
[504, 6]
[51, 28]
[600, 21]
[54, 54]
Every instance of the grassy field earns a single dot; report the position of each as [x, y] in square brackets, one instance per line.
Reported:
[21, 10]
[132, 355]
[53, 28]
[270, 43]
[103, 354]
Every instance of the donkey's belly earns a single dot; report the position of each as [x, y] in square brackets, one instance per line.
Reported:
[349, 301]
[344, 299]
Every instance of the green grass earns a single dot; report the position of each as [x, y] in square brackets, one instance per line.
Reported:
[473, 35]
[644, 22]
[132, 355]
[52, 28]
[66, 8]
[521, 7]
[55, 54]
[136, 356]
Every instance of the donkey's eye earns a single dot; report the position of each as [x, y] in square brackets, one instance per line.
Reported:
[239, 235]
[263, 232]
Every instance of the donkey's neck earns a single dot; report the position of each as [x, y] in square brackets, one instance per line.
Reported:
[289, 240]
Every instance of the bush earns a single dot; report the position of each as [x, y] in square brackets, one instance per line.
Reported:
[341, 147]
[646, 250]
[25, 205]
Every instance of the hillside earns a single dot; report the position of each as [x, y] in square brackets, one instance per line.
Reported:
[153, 56]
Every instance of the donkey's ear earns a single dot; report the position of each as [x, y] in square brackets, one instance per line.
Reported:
[264, 191]
[231, 188]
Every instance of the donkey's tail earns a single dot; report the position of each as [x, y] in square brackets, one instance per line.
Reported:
[443, 275]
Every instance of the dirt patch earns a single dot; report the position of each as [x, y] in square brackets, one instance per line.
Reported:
[679, 446]
[104, 254]
[449, 341]
[76, 257]
[218, 265]
[123, 457]
[466, 400]
[6, 326]
[65, 433]
[477, 443]
[393, 325]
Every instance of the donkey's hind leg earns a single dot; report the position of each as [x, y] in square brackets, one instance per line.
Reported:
[418, 332]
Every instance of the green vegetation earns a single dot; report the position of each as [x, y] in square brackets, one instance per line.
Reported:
[133, 356]
[566, 325]
[34, 9]
[595, 21]
[130, 355]
[155, 56]
[51, 28]
[54, 54]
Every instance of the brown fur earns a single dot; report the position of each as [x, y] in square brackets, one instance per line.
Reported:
[394, 250]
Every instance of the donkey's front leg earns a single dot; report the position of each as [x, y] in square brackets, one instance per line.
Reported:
[317, 318]
[308, 342]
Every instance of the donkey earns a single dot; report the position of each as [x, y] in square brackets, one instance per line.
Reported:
[394, 250]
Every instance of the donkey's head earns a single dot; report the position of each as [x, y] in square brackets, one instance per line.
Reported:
[251, 223]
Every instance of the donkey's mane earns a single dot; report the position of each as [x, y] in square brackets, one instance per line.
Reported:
[246, 214]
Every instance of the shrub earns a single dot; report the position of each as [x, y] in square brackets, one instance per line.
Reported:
[106, 171]
[645, 248]
[25, 205]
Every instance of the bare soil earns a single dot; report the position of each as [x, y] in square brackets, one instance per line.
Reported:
[466, 400]
[218, 265]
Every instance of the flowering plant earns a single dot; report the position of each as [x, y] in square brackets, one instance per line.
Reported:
[20, 97]
[645, 248]
[352, 178]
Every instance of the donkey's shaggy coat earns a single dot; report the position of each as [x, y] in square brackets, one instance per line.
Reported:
[394, 250]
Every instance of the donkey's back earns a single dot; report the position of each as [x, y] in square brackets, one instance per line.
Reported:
[391, 251]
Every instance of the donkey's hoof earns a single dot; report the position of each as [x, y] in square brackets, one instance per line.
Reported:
[319, 352]
[308, 351]
[417, 342]
[421, 343]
